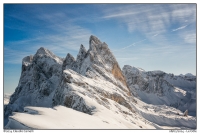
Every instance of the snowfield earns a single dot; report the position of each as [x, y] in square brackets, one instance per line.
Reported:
[66, 118]
[60, 117]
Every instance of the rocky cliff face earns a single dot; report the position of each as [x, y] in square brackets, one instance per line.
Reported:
[97, 62]
[101, 55]
[150, 82]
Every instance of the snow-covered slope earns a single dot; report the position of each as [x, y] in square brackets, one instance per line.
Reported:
[90, 88]
[158, 88]
[61, 117]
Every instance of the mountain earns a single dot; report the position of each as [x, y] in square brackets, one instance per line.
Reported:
[91, 86]
[158, 88]
[48, 80]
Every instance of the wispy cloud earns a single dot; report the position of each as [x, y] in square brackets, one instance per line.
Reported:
[14, 56]
[151, 19]
[124, 14]
[130, 45]
[60, 44]
[189, 36]
[56, 33]
[155, 35]
[182, 27]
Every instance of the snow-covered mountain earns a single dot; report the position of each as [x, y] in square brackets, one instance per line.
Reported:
[158, 88]
[93, 85]
[40, 77]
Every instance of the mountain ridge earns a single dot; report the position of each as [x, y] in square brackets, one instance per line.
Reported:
[89, 83]
[168, 89]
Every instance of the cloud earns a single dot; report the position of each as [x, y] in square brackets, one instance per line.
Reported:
[124, 14]
[155, 35]
[182, 27]
[187, 36]
[182, 12]
[130, 45]
[151, 19]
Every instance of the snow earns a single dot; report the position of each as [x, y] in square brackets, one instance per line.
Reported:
[180, 90]
[165, 116]
[147, 116]
[61, 117]
[14, 124]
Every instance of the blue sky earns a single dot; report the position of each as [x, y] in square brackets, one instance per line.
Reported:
[149, 36]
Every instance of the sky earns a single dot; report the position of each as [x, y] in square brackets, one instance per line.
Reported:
[149, 36]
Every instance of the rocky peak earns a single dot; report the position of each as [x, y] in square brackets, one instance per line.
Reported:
[131, 70]
[94, 39]
[189, 75]
[101, 55]
[68, 62]
[69, 56]
[82, 49]
[27, 60]
[82, 53]
[43, 52]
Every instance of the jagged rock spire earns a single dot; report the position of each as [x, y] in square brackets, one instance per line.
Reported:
[68, 61]
[101, 55]
[82, 53]
[94, 39]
